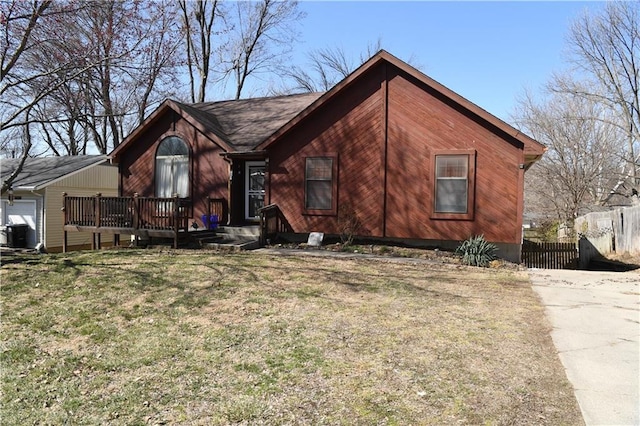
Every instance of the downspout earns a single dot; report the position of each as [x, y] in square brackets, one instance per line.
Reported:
[520, 207]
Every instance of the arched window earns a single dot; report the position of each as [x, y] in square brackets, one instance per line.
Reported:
[172, 168]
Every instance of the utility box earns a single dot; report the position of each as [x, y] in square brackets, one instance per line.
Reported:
[17, 235]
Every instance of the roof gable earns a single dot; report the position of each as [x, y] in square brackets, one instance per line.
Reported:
[206, 124]
[40, 172]
[235, 125]
[533, 149]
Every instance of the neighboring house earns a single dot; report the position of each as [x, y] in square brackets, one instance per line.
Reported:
[38, 189]
[413, 160]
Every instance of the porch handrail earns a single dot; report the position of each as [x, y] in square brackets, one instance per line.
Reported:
[135, 213]
[272, 222]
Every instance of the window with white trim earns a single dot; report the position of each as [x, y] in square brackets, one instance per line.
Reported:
[172, 168]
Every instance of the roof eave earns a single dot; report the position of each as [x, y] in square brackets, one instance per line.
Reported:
[213, 136]
[246, 155]
[25, 188]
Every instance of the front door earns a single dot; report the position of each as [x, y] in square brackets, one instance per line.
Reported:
[254, 188]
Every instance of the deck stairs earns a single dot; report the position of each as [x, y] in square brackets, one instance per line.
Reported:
[228, 238]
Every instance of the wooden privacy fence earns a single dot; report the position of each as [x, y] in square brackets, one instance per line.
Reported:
[140, 216]
[549, 255]
[614, 231]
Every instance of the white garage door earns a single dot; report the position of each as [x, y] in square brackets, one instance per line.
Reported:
[22, 211]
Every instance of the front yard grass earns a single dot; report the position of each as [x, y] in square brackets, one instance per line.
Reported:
[194, 337]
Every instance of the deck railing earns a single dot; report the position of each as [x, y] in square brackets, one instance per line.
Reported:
[127, 215]
[272, 222]
[217, 212]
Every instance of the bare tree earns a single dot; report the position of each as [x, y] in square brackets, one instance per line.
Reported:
[261, 35]
[582, 163]
[198, 19]
[137, 44]
[126, 53]
[160, 58]
[326, 67]
[88, 72]
[19, 21]
[605, 46]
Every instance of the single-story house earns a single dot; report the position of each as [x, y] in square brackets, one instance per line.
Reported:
[37, 195]
[412, 160]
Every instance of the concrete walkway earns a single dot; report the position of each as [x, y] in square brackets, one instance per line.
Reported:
[596, 330]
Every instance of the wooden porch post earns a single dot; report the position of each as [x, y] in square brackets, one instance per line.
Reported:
[96, 210]
[95, 240]
[176, 225]
[263, 234]
[136, 218]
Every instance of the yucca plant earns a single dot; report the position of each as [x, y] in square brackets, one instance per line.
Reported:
[476, 251]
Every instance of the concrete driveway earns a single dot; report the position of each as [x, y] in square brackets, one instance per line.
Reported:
[596, 330]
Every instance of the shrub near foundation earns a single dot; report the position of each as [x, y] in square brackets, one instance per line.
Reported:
[476, 251]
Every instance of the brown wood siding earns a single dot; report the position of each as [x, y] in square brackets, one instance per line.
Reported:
[350, 125]
[420, 123]
[388, 117]
[208, 171]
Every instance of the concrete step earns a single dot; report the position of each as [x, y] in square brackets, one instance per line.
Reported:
[232, 238]
[240, 231]
[233, 245]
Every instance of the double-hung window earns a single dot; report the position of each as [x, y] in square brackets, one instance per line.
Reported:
[454, 184]
[320, 185]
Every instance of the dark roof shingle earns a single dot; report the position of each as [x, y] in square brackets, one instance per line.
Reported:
[40, 171]
[245, 123]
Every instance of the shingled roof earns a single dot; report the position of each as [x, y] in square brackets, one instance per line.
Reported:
[247, 122]
[237, 125]
[40, 172]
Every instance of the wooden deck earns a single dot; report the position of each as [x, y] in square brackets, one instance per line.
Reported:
[139, 216]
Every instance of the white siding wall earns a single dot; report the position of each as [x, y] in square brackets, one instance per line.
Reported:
[102, 179]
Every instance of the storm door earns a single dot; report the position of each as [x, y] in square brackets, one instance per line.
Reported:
[254, 186]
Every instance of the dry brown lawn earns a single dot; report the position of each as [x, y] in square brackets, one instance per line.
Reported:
[196, 337]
